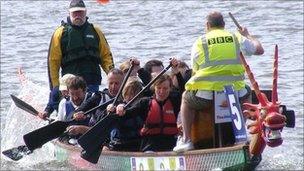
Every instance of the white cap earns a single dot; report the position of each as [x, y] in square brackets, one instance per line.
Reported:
[64, 80]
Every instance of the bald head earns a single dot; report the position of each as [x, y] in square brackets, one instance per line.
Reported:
[215, 19]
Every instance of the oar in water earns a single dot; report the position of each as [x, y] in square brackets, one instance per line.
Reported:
[37, 138]
[235, 22]
[93, 139]
[28, 108]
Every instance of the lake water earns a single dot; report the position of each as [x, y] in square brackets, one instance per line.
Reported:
[154, 29]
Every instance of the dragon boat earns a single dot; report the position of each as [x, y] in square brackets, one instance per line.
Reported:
[220, 139]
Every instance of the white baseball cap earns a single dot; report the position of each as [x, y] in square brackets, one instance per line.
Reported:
[64, 80]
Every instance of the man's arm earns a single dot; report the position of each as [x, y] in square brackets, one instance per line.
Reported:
[54, 58]
[91, 102]
[106, 58]
[54, 99]
[256, 43]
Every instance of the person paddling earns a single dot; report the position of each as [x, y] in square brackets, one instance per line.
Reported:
[77, 95]
[215, 63]
[124, 135]
[159, 114]
[114, 80]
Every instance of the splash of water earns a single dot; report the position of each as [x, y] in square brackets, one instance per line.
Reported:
[19, 122]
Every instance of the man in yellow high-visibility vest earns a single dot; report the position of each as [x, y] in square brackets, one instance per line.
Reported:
[215, 63]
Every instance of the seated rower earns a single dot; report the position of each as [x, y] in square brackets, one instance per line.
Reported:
[124, 67]
[114, 80]
[54, 99]
[77, 91]
[159, 114]
[215, 64]
[152, 67]
[124, 135]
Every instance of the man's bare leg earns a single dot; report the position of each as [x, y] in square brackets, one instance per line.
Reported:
[187, 117]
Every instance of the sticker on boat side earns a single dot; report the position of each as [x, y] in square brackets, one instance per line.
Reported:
[158, 163]
[221, 108]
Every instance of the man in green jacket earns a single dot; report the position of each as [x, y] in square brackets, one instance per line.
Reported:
[80, 48]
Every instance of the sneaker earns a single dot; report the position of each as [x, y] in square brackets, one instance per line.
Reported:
[179, 140]
[182, 146]
[73, 141]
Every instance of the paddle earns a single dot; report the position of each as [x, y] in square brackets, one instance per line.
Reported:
[26, 107]
[235, 22]
[37, 138]
[97, 153]
[124, 82]
[94, 138]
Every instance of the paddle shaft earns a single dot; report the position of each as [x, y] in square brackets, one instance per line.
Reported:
[148, 85]
[92, 140]
[38, 137]
[123, 82]
[235, 22]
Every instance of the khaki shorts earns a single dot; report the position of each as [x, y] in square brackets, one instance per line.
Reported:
[199, 103]
[194, 102]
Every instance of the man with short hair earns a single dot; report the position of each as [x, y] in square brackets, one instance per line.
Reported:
[77, 92]
[215, 63]
[80, 48]
[115, 78]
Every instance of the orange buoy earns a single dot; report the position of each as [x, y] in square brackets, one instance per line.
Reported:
[103, 2]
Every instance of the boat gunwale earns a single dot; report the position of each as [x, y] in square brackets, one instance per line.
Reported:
[157, 154]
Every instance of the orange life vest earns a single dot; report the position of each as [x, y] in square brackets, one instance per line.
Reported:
[160, 120]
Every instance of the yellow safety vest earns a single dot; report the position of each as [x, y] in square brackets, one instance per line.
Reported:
[216, 62]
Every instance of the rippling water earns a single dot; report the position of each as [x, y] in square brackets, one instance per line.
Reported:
[161, 29]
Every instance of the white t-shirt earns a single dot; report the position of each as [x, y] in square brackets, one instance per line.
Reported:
[247, 46]
[62, 108]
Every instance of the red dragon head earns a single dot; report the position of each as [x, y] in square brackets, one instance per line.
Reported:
[268, 122]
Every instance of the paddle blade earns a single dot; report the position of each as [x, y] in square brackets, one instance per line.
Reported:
[17, 153]
[96, 136]
[91, 157]
[22, 105]
[38, 137]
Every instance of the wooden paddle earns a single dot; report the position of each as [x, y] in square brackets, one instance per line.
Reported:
[28, 108]
[94, 138]
[235, 22]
